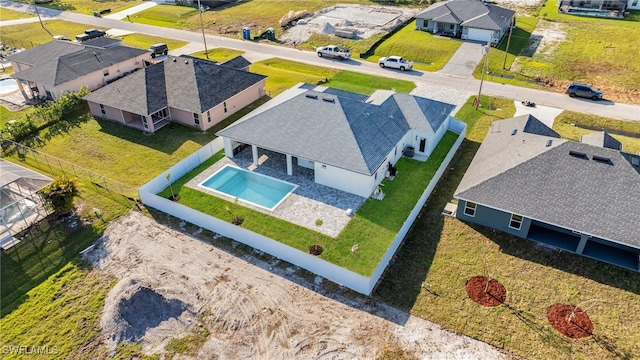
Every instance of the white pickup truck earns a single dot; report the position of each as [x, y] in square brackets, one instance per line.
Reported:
[396, 62]
[335, 51]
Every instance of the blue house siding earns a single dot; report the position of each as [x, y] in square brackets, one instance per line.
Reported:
[492, 218]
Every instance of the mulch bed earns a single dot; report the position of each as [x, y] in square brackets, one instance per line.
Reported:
[494, 295]
[580, 325]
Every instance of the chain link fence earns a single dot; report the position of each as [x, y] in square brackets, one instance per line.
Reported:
[59, 167]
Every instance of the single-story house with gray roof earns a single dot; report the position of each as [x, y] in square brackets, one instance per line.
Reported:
[193, 92]
[467, 19]
[349, 140]
[59, 66]
[527, 181]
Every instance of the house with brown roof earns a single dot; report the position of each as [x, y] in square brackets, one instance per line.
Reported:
[186, 90]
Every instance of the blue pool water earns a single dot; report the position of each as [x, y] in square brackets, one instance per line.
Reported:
[8, 85]
[260, 190]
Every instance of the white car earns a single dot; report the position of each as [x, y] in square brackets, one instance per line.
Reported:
[395, 62]
[335, 51]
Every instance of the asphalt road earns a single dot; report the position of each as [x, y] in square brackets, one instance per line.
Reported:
[466, 84]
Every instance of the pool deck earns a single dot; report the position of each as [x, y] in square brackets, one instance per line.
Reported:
[309, 202]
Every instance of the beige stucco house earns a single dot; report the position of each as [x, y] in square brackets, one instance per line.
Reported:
[49, 70]
[185, 90]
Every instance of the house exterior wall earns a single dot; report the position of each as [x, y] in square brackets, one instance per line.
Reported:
[598, 4]
[111, 113]
[233, 104]
[493, 218]
[184, 117]
[633, 5]
[345, 180]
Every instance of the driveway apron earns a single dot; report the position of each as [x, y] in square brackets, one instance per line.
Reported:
[464, 61]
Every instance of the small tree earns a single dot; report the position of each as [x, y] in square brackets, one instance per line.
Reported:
[173, 196]
[60, 194]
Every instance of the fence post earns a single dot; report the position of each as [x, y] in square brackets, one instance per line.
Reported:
[61, 169]
[46, 158]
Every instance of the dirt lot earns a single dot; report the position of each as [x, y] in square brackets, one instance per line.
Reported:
[170, 282]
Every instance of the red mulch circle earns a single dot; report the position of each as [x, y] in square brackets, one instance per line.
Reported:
[494, 295]
[580, 325]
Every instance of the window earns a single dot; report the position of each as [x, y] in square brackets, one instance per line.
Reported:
[208, 116]
[196, 118]
[106, 72]
[635, 3]
[225, 106]
[470, 208]
[515, 222]
[102, 110]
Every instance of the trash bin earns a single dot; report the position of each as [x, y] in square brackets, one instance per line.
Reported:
[271, 34]
[246, 33]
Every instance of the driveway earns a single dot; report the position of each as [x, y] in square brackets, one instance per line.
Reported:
[464, 61]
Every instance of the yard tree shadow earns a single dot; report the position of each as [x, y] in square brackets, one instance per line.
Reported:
[402, 281]
[568, 262]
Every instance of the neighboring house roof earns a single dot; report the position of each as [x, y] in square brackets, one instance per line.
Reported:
[185, 83]
[526, 175]
[603, 139]
[77, 64]
[103, 42]
[238, 62]
[45, 52]
[347, 132]
[469, 13]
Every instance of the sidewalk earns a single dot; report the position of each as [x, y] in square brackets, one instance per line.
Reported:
[121, 15]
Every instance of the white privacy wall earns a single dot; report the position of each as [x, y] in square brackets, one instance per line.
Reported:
[350, 279]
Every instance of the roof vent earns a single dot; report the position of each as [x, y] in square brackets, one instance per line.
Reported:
[579, 155]
[174, 59]
[186, 62]
[331, 100]
[602, 160]
[311, 96]
[514, 131]
[549, 142]
[635, 161]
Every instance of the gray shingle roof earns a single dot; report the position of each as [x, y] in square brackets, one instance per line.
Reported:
[520, 174]
[46, 52]
[603, 139]
[238, 62]
[324, 126]
[188, 84]
[470, 13]
[72, 66]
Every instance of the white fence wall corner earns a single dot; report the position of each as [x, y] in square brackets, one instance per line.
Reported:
[350, 279]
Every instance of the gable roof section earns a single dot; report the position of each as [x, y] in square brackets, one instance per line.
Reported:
[324, 126]
[470, 13]
[548, 184]
[77, 64]
[239, 62]
[45, 52]
[187, 84]
[603, 139]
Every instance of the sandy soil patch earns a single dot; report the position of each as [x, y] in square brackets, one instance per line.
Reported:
[364, 21]
[169, 281]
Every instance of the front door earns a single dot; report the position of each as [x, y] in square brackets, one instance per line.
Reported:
[423, 144]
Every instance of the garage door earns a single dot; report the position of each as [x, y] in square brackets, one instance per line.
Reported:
[478, 34]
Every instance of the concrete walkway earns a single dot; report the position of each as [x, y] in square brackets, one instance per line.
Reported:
[121, 15]
[18, 21]
[464, 61]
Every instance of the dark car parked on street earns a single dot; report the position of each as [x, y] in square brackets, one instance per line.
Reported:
[90, 34]
[583, 90]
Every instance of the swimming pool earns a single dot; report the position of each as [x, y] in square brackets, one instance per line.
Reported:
[257, 189]
[8, 85]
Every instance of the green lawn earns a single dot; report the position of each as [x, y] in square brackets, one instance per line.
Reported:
[8, 14]
[283, 74]
[89, 6]
[440, 254]
[218, 54]
[32, 34]
[178, 17]
[428, 52]
[142, 41]
[372, 228]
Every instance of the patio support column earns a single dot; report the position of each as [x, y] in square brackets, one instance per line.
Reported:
[582, 244]
[122, 117]
[289, 165]
[149, 120]
[228, 150]
[22, 89]
[254, 152]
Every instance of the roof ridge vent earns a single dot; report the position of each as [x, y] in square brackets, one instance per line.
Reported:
[602, 159]
[331, 100]
[579, 155]
[311, 96]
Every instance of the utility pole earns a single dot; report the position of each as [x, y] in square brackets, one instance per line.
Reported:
[506, 52]
[204, 39]
[39, 18]
[485, 49]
